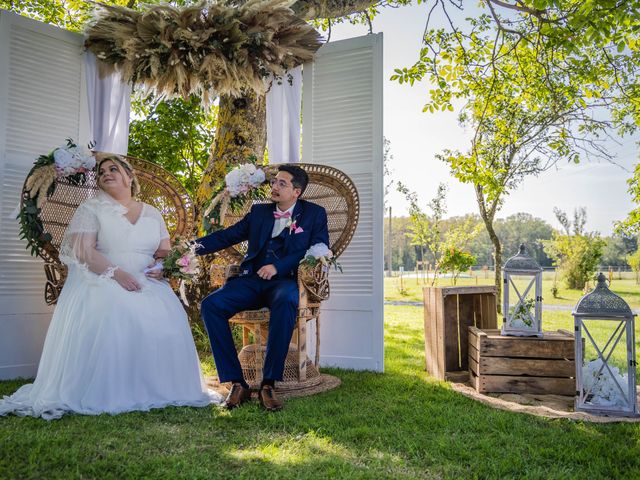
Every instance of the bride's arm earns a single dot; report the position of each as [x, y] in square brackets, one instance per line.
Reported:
[85, 253]
[163, 249]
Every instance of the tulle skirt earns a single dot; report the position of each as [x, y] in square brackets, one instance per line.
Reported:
[112, 351]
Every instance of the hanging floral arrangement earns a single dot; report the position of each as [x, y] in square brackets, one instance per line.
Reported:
[209, 49]
[242, 182]
[70, 162]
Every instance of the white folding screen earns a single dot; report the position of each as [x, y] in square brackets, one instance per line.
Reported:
[342, 127]
[42, 102]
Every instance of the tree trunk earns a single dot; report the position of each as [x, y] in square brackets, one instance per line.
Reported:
[241, 132]
[487, 215]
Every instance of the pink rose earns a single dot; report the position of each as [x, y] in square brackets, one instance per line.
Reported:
[183, 261]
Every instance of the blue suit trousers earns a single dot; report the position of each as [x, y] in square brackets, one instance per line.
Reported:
[251, 293]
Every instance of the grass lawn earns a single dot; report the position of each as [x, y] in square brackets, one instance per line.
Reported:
[400, 424]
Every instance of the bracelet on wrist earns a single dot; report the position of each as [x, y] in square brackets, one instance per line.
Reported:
[109, 272]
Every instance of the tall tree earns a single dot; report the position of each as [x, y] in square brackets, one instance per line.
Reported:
[530, 98]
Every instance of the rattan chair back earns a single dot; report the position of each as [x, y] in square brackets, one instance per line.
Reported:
[158, 187]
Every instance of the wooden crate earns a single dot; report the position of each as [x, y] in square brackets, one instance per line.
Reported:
[448, 312]
[543, 365]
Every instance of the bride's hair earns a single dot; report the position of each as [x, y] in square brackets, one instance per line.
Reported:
[123, 165]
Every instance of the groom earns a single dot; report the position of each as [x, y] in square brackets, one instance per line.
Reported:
[279, 234]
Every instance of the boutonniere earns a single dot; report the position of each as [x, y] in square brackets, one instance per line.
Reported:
[293, 226]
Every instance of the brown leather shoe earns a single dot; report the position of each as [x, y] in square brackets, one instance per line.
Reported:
[269, 400]
[237, 396]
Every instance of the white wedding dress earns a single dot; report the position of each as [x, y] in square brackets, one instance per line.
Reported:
[109, 350]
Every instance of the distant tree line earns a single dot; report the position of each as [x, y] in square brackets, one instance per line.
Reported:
[512, 231]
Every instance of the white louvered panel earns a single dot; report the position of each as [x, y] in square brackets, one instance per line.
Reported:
[43, 102]
[20, 272]
[343, 128]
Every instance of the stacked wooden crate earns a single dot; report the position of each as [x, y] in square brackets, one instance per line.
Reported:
[539, 365]
[448, 312]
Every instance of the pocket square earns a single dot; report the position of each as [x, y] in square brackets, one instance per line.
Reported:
[298, 230]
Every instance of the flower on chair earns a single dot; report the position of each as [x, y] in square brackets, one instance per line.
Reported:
[320, 253]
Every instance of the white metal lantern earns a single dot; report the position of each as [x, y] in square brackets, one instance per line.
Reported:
[522, 296]
[605, 354]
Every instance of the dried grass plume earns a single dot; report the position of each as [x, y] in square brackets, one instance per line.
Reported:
[209, 49]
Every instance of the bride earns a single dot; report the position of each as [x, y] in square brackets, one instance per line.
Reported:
[119, 340]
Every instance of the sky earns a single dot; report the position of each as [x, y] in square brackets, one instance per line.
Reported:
[416, 138]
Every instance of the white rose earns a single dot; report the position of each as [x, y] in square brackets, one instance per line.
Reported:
[62, 157]
[318, 250]
[248, 168]
[90, 162]
[257, 178]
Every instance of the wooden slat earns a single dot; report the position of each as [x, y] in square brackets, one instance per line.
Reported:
[519, 384]
[466, 319]
[490, 318]
[439, 334]
[468, 290]
[450, 333]
[473, 353]
[473, 366]
[533, 367]
[430, 330]
[530, 347]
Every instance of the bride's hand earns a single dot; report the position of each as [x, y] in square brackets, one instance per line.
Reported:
[126, 280]
[156, 273]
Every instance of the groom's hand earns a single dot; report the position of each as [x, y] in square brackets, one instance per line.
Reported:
[267, 272]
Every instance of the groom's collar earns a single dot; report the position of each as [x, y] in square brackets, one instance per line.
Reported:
[290, 209]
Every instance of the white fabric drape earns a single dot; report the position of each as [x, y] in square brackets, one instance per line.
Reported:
[283, 118]
[109, 101]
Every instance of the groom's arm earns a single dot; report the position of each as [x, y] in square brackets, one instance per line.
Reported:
[225, 238]
[319, 234]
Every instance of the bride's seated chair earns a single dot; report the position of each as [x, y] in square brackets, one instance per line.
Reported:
[158, 187]
[336, 192]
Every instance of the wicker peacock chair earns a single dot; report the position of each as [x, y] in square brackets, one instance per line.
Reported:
[158, 187]
[336, 192]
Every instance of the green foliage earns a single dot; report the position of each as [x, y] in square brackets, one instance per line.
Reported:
[634, 263]
[428, 233]
[523, 311]
[539, 82]
[175, 134]
[631, 225]
[456, 261]
[576, 256]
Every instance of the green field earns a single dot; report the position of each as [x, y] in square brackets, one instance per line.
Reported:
[412, 287]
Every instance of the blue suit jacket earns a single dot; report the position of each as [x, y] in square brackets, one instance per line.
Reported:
[256, 227]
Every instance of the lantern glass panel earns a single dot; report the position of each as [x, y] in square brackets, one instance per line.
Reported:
[605, 376]
[522, 302]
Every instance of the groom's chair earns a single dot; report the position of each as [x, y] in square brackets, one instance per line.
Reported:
[158, 187]
[336, 192]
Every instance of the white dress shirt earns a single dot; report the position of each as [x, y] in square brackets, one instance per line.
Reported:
[280, 223]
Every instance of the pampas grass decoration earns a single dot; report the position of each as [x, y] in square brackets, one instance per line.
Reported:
[207, 50]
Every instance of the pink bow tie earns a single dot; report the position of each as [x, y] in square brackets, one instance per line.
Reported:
[282, 215]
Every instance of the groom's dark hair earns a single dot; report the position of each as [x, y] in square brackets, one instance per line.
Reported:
[300, 177]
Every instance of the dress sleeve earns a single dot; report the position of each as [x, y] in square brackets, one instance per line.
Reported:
[162, 226]
[78, 245]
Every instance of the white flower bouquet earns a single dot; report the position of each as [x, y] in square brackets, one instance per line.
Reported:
[320, 253]
[70, 159]
[604, 389]
[244, 178]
